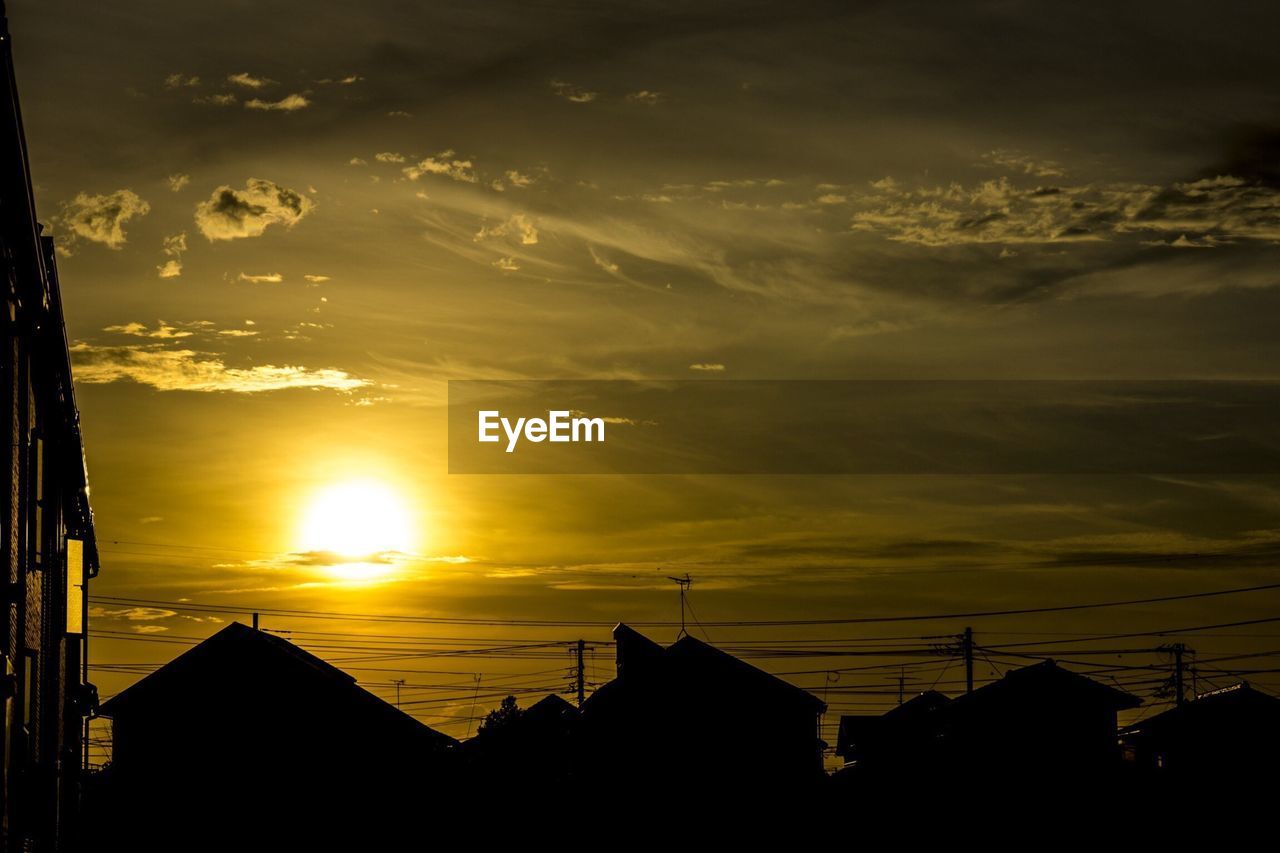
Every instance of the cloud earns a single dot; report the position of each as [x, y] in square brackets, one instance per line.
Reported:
[177, 182]
[517, 179]
[341, 81]
[997, 211]
[187, 370]
[248, 81]
[263, 278]
[287, 104]
[573, 93]
[389, 157]
[221, 100]
[646, 97]
[316, 279]
[132, 614]
[101, 218]
[173, 246]
[1201, 214]
[706, 367]
[603, 262]
[230, 213]
[1020, 162]
[507, 264]
[181, 81]
[140, 330]
[516, 225]
[357, 161]
[237, 333]
[445, 163]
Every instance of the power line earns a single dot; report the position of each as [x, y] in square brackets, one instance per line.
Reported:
[447, 620]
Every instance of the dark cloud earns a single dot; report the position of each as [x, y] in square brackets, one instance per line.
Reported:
[230, 213]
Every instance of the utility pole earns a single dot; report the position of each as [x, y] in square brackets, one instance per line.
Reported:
[581, 672]
[967, 647]
[255, 621]
[1178, 695]
[902, 682]
[398, 682]
[685, 583]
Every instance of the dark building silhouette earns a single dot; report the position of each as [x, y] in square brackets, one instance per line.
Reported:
[48, 545]
[250, 738]
[1220, 737]
[690, 714]
[1041, 725]
[534, 750]
[903, 738]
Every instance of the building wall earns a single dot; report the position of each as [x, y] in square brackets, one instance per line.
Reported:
[45, 504]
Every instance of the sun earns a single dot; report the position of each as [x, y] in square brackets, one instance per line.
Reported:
[361, 522]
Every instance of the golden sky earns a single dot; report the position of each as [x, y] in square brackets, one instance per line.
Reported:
[284, 228]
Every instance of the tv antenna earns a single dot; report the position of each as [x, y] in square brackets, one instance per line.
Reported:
[684, 583]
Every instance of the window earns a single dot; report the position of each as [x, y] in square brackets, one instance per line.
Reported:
[75, 586]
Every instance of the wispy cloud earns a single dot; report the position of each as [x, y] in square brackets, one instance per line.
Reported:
[287, 104]
[163, 330]
[517, 225]
[261, 278]
[570, 92]
[174, 246]
[222, 99]
[447, 164]
[248, 81]
[188, 370]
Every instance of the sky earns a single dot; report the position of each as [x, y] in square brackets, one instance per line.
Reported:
[283, 227]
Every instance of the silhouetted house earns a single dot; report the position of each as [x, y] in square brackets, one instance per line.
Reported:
[1228, 734]
[1041, 721]
[47, 549]
[901, 739]
[689, 713]
[1038, 724]
[247, 734]
[535, 750]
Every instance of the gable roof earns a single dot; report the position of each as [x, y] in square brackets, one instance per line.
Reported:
[689, 658]
[903, 720]
[1045, 679]
[237, 649]
[1235, 705]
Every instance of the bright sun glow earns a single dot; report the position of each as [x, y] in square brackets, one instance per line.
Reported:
[361, 522]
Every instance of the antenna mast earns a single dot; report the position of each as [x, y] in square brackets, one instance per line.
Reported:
[684, 583]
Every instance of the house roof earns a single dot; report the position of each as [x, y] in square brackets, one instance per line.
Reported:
[1231, 705]
[688, 657]
[550, 708]
[903, 718]
[237, 648]
[1049, 680]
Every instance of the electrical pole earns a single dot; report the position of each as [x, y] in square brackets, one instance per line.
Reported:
[967, 647]
[581, 672]
[398, 682]
[902, 682]
[255, 621]
[1178, 696]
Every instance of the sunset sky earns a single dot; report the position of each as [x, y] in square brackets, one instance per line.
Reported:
[284, 227]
